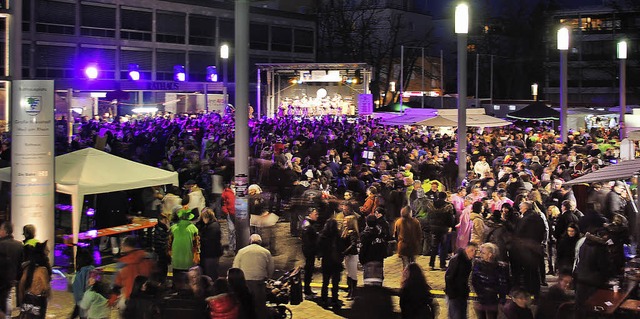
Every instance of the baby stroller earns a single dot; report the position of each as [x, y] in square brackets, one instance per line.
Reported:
[287, 288]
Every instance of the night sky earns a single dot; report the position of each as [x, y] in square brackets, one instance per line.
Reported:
[444, 8]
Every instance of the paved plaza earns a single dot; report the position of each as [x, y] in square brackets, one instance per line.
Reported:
[288, 257]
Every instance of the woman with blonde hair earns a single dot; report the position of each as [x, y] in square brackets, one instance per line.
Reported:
[351, 238]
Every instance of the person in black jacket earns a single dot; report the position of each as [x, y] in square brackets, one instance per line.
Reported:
[373, 242]
[210, 243]
[566, 251]
[490, 281]
[416, 300]
[440, 219]
[527, 249]
[330, 248]
[457, 281]
[309, 247]
[592, 267]
[566, 217]
[160, 238]
[13, 252]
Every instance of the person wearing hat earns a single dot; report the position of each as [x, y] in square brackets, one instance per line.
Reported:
[185, 244]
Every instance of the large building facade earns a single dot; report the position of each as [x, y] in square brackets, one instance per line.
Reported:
[61, 37]
[593, 68]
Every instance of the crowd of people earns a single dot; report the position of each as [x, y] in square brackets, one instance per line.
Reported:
[357, 191]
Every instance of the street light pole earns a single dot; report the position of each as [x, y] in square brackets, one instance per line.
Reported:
[563, 47]
[622, 56]
[224, 55]
[461, 29]
[241, 147]
[401, 77]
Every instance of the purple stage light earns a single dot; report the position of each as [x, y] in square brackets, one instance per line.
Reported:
[179, 73]
[212, 74]
[91, 72]
[134, 72]
[91, 212]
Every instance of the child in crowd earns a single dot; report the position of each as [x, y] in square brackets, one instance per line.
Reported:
[94, 301]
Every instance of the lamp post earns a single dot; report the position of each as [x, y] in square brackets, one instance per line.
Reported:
[622, 56]
[461, 29]
[224, 55]
[563, 47]
[534, 91]
[401, 78]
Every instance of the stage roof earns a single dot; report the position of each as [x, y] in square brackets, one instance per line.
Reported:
[291, 67]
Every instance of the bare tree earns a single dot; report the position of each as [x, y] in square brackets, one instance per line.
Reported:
[365, 31]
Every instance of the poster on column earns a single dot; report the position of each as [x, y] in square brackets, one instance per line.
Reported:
[32, 157]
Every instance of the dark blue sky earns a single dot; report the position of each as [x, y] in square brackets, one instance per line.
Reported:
[444, 8]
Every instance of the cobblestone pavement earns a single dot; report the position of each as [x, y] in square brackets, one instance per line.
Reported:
[288, 256]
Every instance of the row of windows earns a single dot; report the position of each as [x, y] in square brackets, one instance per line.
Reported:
[55, 61]
[99, 21]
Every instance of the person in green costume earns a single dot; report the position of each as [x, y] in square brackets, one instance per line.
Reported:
[185, 246]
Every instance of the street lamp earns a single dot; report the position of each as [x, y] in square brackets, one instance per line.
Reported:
[563, 47]
[622, 56]
[534, 91]
[461, 29]
[224, 55]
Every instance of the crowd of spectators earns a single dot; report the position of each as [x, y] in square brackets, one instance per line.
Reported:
[357, 190]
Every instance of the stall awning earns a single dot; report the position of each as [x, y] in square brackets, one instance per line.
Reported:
[623, 170]
[449, 117]
[438, 121]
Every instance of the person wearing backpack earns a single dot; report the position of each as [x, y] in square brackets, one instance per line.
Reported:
[373, 242]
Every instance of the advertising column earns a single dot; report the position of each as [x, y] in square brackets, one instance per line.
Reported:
[32, 167]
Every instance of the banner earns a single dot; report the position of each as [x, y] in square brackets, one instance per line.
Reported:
[32, 158]
[365, 104]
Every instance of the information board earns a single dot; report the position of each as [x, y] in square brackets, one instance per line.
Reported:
[32, 157]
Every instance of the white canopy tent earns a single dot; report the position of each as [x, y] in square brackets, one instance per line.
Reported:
[445, 117]
[89, 171]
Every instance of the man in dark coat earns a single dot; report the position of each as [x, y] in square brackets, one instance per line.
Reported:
[310, 230]
[549, 303]
[527, 252]
[592, 267]
[440, 219]
[373, 242]
[457, 281]
[615, 203]
[566, 217]
[12, 251]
